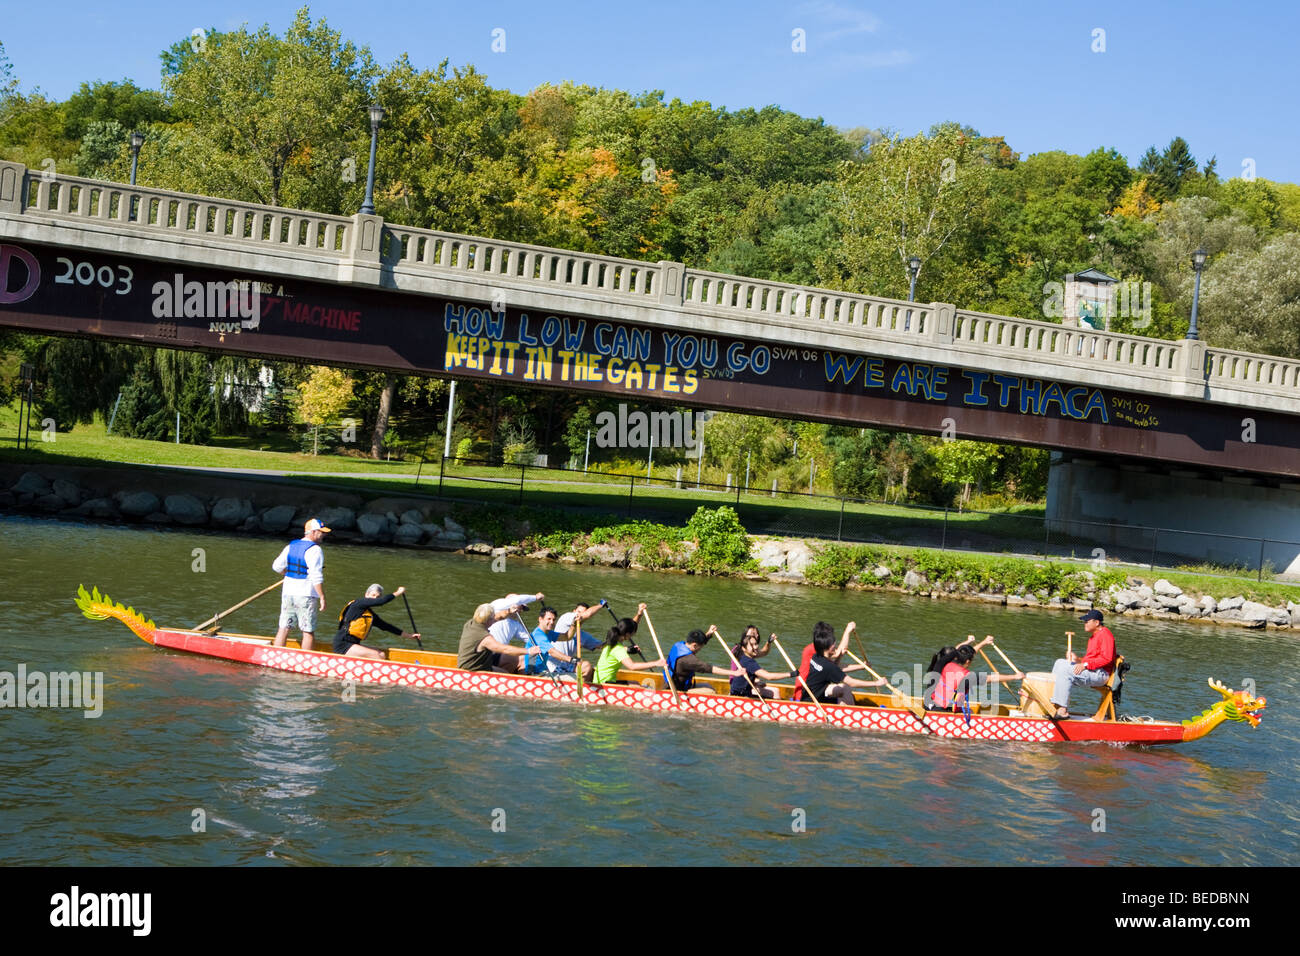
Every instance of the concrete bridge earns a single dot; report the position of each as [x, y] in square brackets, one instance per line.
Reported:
[1129, 414]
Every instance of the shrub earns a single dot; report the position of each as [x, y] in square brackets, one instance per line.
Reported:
[722, 540]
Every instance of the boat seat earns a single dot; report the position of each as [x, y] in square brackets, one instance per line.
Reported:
[1110, 691]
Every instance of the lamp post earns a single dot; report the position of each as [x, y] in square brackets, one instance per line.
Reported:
[1198, 264]
[376, 114]
[913, 270]
[137, 140]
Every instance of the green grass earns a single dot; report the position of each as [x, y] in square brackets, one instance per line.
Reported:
[88, 444]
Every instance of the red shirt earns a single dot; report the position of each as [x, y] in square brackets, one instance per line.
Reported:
[809, 653]
[1101, 650]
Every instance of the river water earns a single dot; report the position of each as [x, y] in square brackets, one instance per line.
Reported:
[200, 761]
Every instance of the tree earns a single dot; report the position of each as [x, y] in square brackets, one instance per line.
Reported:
[323, 397]
[912, 197]
[968, 463]
[266, 119]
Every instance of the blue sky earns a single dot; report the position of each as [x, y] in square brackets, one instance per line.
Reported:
[1223, 77]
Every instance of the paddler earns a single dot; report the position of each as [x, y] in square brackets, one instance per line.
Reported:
[835, 654]
[746, 653]
[829, 682]
[510, 629]
[614, 655]
[953, 680]
[479, 650]
[684, 665]
[544, 637]
[359, 617]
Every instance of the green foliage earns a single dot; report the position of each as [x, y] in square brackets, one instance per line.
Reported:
[722, 540]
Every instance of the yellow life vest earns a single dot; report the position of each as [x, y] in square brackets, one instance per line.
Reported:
[359, 628]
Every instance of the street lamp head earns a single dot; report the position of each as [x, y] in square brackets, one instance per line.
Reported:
[1198, 259]
[137, 140]
[376, 114]
[913, 266]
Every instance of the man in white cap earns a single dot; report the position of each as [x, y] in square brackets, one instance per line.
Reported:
[302, 563]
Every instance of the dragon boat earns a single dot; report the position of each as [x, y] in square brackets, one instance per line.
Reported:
[647, 692]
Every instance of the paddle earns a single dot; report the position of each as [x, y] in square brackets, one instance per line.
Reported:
[415, 630]
[1048, 707]
[618, 620]
[672, 685]
[713, 629]
[799, 677]
[914, 709]
[213, 620]
[578, 642]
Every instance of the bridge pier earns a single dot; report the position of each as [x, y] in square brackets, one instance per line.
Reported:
[1134, 510]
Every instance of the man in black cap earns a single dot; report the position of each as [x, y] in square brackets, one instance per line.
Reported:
[1091, 670]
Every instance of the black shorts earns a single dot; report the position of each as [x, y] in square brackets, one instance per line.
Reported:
[344, 643]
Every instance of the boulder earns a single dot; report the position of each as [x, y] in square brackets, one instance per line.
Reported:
[186, 509]
[278, 519]
[1231, 604]
[8, 499]
[1279, 617]
[787, 577]
[138, 504]
[881, 573]
[912, 580]
[432, 530]
[1208, 605]
[251, 523]
[768, 554]
[96, 508]
[478, 547]
[50, 504]
[992, 598]
[1254, 611]
[31, 484]
[338, 519]
[1172, 602]
[1144, 593]
[610, 555]
[798, 556]
[158, 517]
[1163, 587]
[1126, 599]
[413, 516]
[408, 533]
[452, 527]
[373, 527]
[67, 491]
[230, 512]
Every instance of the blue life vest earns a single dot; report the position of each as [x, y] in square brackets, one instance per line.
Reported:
[680, 649]
[296, 563]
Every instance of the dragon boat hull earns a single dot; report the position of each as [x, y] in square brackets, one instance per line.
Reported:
[423, 672]
[437, 671]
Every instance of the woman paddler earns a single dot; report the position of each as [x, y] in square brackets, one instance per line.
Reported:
[614, 655]
[746, 653]
[953, 680]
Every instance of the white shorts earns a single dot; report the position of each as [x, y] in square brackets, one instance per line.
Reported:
[299, 612]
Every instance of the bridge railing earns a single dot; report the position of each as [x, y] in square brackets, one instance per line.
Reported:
[434, 251]
[763, 297]
[1036, 337]
[222, 220]
[1224, 367]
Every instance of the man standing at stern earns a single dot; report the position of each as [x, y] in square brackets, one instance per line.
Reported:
[302, 563]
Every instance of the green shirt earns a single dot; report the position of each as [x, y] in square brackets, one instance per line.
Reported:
[611, 658]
